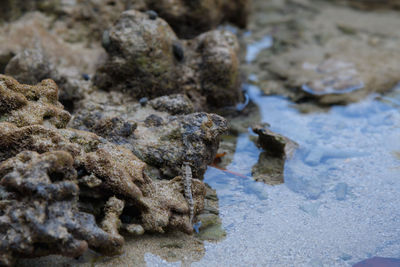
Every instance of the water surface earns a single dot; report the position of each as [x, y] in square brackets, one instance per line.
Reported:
[340, 200]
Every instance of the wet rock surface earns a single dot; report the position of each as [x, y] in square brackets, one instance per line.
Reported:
[146, 59]
[319, 53]
[372, 4]
[271, 162]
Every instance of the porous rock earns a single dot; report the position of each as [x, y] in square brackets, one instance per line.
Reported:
[26, 105]
[190, 18]
[39, 213]
[161, 140]
[146, 59]
[31, 66]
[107, 174]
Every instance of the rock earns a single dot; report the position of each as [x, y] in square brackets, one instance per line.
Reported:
[146, 59]
[26, 105]
[208, 224]
[40, 214]
[85, 19]
[31, 66]
[275, 144]
[159, 139]
[372, 4]
[133, 229]
[111, 222]
[34, 50]
[173, 104]
[269, 169]
[112, 181]
[213, 233]
[190, 18]
[207, 220]
[277, 149]
[321, 54]
[92, 17]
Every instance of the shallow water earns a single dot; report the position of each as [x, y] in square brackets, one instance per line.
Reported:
[339, 203]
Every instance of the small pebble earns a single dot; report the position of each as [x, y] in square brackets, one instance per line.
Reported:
[346, 257]
[178, 51]
[85, 76]
[152, 14]
[105, 41]
[134, 229]
[143, 101]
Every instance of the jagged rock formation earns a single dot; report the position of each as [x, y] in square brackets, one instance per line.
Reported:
[46, 166]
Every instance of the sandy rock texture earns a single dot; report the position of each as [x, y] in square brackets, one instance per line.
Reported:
[40, 214]
[146, 59]
[33, 50]
[162, 132]
[90, 18]
[372, 4]
[323, 54]
[190, 18]
[77, 163]
[26, 105]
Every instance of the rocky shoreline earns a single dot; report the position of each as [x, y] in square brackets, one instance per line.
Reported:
[129, 153]
[111, 111]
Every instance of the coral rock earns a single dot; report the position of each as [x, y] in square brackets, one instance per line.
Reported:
[159, 139]
[190, 18]
[146, 59]
[40, 215]
[27, 105]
